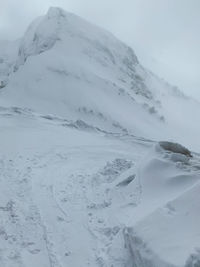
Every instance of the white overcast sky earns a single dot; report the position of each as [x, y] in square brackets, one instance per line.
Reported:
[165, 34]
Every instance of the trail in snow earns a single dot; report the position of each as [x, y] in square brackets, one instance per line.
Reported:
[68, 195]
[78, 194]
[55, 198]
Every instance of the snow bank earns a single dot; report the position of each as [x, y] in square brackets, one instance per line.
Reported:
[140, 254]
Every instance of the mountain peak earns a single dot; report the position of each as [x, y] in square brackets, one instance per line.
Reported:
[41, 35]
[56, 12]
[68, 62]
[59, 25]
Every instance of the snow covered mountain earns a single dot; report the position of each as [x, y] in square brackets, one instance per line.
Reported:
[84, 181]
[65, 65]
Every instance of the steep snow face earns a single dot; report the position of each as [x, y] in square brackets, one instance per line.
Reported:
[71, 68]
[65, 65]
[41, 35]
[59, 25]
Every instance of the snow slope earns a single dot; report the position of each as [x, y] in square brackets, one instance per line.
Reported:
[83, 180]
[65, 65]
[47, 183]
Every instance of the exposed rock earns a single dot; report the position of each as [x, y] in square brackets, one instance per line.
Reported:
[194, 260]
[175, 148]
[127, 181]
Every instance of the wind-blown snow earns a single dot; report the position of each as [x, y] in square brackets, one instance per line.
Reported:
[84, 181]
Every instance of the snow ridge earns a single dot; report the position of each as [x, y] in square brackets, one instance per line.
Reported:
[41, 35]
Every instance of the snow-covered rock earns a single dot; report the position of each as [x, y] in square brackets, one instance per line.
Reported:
[194, 259]
[175, 148]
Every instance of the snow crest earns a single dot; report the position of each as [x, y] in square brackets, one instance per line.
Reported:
[41, 35]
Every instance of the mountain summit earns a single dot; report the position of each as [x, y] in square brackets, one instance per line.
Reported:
[65, 65]
[97, 156]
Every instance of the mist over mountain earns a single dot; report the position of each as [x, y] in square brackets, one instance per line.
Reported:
[85, 179]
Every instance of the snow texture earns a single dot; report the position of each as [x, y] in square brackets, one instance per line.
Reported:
[84, 178]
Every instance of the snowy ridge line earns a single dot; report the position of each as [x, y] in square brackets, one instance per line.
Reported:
[78, 124]
[83, 60]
